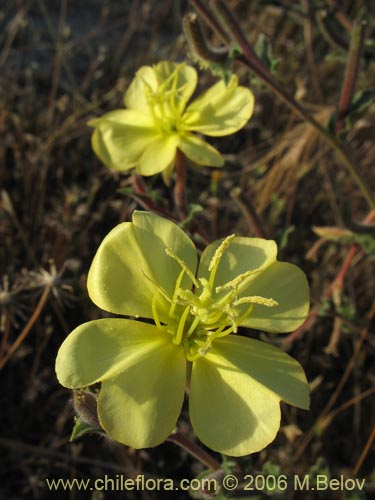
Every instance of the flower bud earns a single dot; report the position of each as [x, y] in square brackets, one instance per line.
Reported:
[85, 405]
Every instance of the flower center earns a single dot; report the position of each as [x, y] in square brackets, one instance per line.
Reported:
[206, 312]
[166, 103]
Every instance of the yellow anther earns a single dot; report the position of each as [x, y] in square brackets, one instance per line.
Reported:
[255, 299]
[237, 281]
[219, 252]
[214, 263]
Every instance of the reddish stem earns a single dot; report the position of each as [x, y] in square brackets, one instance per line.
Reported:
[351, 73]
[194, 450]
[179, 188]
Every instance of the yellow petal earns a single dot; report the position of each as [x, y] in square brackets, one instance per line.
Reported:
[121, 137]
[140, 406]
[222, 110]
[242, 255]
[101, 349]
[235, 392]
[131, 265]
[199, 151]
[286, 284]
[158, 156]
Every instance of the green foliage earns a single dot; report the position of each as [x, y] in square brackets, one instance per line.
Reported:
[263, 49]
[80, 429]
[347, 237]
[361, 101]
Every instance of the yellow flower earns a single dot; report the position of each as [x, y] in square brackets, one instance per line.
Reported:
[149, 268]
[158, 120]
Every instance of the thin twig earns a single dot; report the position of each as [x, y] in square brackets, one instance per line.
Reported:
[27, 328]
[333, 398]
[364, 453]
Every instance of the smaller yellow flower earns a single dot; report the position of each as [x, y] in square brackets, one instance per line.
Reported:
[158, 121]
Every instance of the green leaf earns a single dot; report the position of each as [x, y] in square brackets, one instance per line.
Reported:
[80, 429]
[361, 101]
[263, 50]
[285, 237]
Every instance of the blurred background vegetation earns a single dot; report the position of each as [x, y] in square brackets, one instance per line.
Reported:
[63, 62]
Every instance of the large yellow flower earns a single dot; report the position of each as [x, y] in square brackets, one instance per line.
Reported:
[157, 121]
[149, 268]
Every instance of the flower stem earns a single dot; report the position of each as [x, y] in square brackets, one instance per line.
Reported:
[179, 188]
[222, 16]
[194, 450]
[145, 201]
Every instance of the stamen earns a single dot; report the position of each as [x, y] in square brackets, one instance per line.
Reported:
[172, 100]
[175, 294]
[255, 299]
[214, 263]
[212, 319]
[237, 281]
[159, 288]
[233, 328]
[170, 253]
[201, 351]
[188, 297]
[155, 314]
[180, 329]
[193, 326]
[246, 314]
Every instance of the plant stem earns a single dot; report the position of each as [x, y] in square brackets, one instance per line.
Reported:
[250, 214]
[222, 15]
[351, 73]
[210, 20]
[179, 188]
[145, 201]
[194, 450]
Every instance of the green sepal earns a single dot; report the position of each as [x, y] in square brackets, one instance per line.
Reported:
[80, 429]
